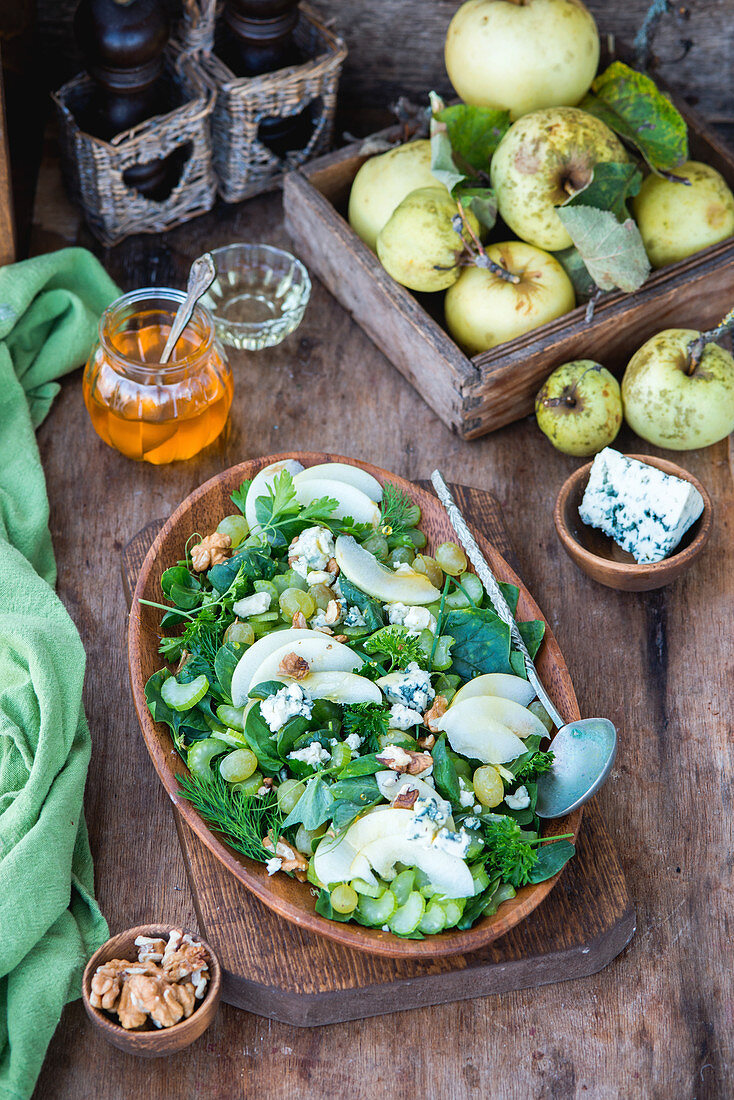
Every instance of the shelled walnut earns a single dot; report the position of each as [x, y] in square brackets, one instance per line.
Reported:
[162, 985]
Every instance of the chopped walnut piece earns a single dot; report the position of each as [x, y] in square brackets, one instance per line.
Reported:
[295, 666]
[150, 949]
[185, 960]
[210, 551]
[332, 567]
[106, 984]
[405, 799]
[333, 612]
[292, 860]
[326, 630]
[401, 760]
[427, 742]
[299, 621]
[439, 708]
[164, 1001]
[129, 1014]
[341, 638]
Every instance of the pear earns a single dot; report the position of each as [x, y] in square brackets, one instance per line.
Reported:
[496, 683]
[350, 500]
[342, 471]
[419, 246]
[341, 687]
[382, 183]
[260, 484]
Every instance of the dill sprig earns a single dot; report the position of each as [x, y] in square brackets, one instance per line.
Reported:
[368, 720]
[397, 511]
[244, 820]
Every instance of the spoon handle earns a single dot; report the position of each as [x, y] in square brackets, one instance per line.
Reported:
[493, 589]
[201, 277]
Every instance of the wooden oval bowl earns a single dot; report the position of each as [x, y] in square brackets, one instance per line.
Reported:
[202, 511]
[151, 1042]
[603, 560]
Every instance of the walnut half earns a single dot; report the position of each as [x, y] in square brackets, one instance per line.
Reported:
[210, 551]
[292, 860]
[295, 666]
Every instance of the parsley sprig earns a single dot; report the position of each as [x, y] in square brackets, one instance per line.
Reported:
[399, 645]
[512, 852]
[537, 764]
[369, 720]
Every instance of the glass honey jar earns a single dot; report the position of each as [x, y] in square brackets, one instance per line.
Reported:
[148, 411]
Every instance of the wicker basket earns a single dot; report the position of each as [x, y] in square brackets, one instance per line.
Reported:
[243, 164]
[94, 168]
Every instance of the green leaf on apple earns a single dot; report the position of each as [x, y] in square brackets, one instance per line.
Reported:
[442, 161]
[632, 105]
[572, 263]
[613, 252]
[611, 184]
[474, 133]
[481, 201]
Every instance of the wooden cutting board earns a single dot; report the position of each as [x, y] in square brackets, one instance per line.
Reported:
[275, 969]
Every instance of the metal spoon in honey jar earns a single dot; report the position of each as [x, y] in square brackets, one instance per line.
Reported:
[584, 750]
[201, 277]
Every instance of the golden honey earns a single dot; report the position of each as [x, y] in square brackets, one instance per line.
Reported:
[148, 411]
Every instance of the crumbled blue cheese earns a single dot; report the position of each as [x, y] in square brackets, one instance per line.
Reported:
[413, 619]
[412, 687]
[256, 604]
[453, 844]
[520, 800]
[354, 617]
[429, 815]
[644, 510]
[330, 617]
[289, 702]
[320, 576]
[466, 794]
[395, 756]
[314, 755]
[402, 717]
[472, 822]
[354, 741]
[312, 550]
[403, 567]
[273, 865]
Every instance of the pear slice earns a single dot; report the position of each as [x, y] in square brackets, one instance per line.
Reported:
[519, 719]
[391, 783]
[449, 875]
[333, 859]
[321, 651]
[378, 825]
[341, 471]
[351, 501]
[254, 656]
[370, 576]
[341, 687]
[479, 735]
[497, 683]
[260, 483]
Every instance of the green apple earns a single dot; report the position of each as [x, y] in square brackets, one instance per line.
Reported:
[676, 220]
[670, 407]
[382, 183]
[579, 408]
[522, 55]
[544, 159]
[483, 309]
[419, 246]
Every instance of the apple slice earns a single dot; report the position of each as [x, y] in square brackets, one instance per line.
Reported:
[363, 569]
[496, 683]
[449, 875]
[260, 483]
[351, 501]
[341, 687]
[254, 656]
[479, 735]
[341, 471]
[322, 653]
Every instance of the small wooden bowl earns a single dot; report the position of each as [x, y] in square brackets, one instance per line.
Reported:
[603, 560]
[150, 1041]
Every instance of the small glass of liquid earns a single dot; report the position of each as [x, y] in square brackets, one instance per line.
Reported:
[148, 411]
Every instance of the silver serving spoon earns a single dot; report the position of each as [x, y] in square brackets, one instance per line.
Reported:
[201, 277]
[584, 750]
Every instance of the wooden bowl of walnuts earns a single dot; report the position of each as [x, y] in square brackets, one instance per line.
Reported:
[152, 990]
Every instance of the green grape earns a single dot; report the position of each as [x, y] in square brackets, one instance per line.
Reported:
[401, 554]
[344, 898]
[488, 786]
[412, 516]
[252, 785]
[451, 558]
[294, 600]
[239, 632]
[377, 545]
[396, 737]
[238, 765]
[417, 538]
[236, 527]
[341, 755]
[305, 838]
[289, 792]
[430, 567]
[321, 595]
[290, 579]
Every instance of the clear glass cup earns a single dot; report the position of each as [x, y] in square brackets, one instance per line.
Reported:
[259, 295]
[148, 411]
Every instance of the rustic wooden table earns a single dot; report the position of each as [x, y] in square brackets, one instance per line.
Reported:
[658, 1021]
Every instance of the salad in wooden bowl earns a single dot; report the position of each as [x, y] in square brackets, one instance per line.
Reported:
[336, 709]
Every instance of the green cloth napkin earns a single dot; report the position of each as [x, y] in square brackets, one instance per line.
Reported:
[49, 921]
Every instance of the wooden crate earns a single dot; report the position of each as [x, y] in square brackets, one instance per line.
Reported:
[475, 396]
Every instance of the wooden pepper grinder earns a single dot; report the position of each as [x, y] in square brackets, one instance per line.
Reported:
[255, 37]
[122, 42]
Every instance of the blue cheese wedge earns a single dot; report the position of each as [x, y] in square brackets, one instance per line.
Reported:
[645, 511]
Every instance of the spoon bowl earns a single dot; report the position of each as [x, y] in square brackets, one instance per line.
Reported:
[584, 754]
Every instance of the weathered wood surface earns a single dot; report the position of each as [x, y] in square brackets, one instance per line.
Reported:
[657, 1022]
[278, 970]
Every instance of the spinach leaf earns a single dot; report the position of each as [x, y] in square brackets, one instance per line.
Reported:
[190, 725]
[258, 737]
[352, 797]
[313, 807]
[551, 857]
[290, 733]
[481, 642]
[370, 608]
[485, 904]
[225, 662]
[444, 772]
[265, 689]
[532, 634]
[181, 587]
[511, 593]
[251, 564]
[363, 765]
[324, 908]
